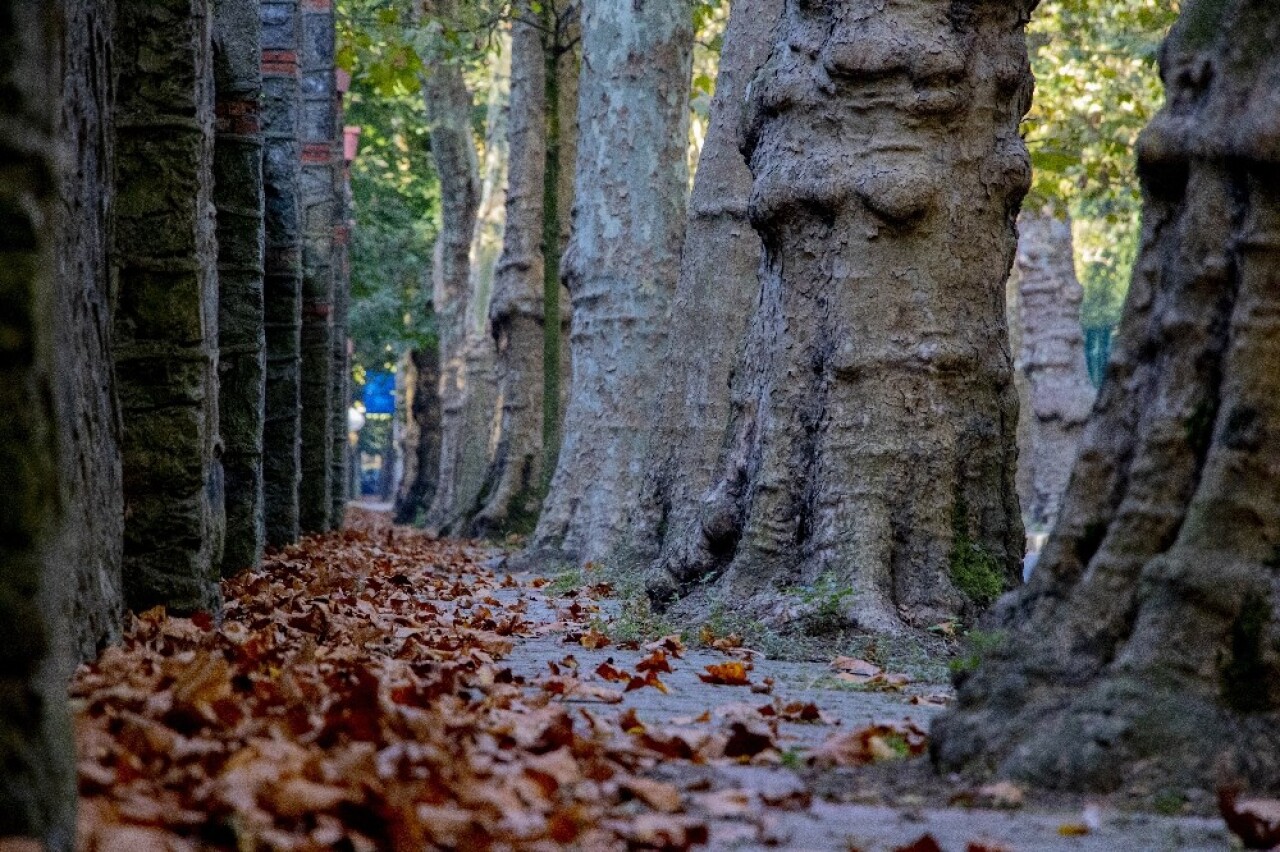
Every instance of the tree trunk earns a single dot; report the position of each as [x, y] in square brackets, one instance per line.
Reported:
[89, 449]
[1051, 356]
[166, 310]
[421, 447]
[238, 195]
[475, 442]
[563, 71]
[514, 485]
[318, 135]
[715, 297]
[282, 297]
[1145, 651]
[622, 264]
[871, 444]
[448, 105]
[37, 783]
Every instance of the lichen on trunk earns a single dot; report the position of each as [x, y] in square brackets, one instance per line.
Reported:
[871, 438]
[1145, 650]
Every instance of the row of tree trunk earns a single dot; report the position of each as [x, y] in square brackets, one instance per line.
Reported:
[799, 377]
[174, 330]
[827, 399]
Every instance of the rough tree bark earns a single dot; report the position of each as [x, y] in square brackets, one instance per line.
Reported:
[623, 260]
[318, 133]
[282, 287]
[1051, 358]
[37, 786]
[561, 122]
[475, 443]
[714, 300]
[238, 194]
[90, 440]
[514, 483]
[421, 444]
[166, 310]
[872, 434]
[1146, 648]
[448, 105]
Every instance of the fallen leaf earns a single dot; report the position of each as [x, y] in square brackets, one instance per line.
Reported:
[656, 794]
[872, 744]
[593, 640]
[650, 679]
[672, 644]
[655, 662]
[854, 666]
[726, 674]
[926, 843]
[1001, 794]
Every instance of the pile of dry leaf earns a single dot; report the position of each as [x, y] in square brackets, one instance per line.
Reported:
[352, 696]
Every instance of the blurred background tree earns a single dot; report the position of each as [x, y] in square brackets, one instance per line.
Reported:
[1097, 86]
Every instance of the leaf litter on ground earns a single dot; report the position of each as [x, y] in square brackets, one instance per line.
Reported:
[352, 695]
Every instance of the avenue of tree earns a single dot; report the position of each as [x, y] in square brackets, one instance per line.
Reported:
[814, 365]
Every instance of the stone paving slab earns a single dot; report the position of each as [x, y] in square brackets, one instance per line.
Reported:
[823, 824]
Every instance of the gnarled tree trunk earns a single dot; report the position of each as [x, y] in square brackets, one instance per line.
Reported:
[715, 297]
[516, 478]
[238, 194]
[1146, 648]
[37, 777]
[1051, 358]
[166, 310]
[872, 441]
[621, 265]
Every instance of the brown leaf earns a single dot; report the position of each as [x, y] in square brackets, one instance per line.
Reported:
[295, 797]
[650, 679]
[854, 666]
[726, 674]
[593, 640]
[629, 722]
[609, 673]
[872, 744]
[656, 794]
[655, 662]
[925, 843]
[746, 740]
[1255, 821]
[672, 644]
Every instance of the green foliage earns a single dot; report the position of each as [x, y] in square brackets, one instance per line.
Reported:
[388, 46]
[978, 645]
[827, 599]
[1097, 86]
